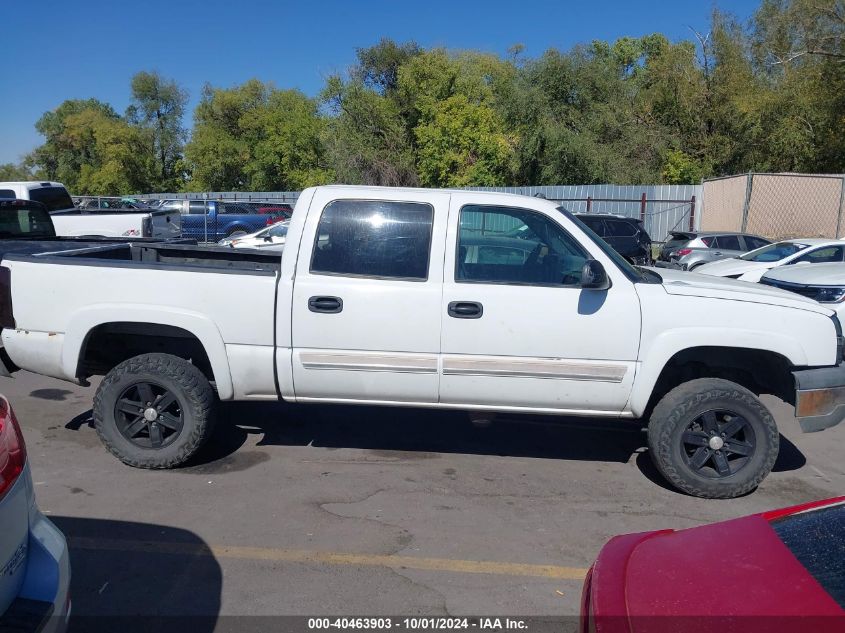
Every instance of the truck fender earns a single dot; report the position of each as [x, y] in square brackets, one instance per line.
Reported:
[667, 344]
[86, 319]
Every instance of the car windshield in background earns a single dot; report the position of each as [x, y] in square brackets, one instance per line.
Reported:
[54, 198]
[25, 222]
[279, 230]
[774, 252]
[817, 539]
[633, 273]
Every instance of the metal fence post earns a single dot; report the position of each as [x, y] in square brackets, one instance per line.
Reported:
[642, 207]
[589, 203]
[692, 214]
[841, 206]
[749, 185]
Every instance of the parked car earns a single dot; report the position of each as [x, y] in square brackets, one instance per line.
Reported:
[775, 572]
[214, 220]
[34, 560]
[753, 265]
[627, 236]
[402, 297]
[271, 238]
[824, 283]
[112, 203]
[687, 250]
[71, 221]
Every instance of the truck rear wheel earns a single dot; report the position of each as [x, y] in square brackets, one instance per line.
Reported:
[154, 411]
[713, 438]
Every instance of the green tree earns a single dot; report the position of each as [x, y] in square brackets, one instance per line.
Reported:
[158, 105]
[14, 171]
[67, 148]
[462, 143]
[255, 137]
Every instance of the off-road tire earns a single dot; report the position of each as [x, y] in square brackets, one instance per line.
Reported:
[193, 392]
[688, 401]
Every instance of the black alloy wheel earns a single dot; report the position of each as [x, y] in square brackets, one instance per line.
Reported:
[148, 415]
[718, 443]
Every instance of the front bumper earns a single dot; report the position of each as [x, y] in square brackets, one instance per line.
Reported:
[820, 397]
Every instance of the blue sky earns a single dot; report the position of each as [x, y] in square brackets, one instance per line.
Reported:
[56, 49]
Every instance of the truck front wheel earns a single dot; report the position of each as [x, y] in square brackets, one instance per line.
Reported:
[713, 438]
[154, 411]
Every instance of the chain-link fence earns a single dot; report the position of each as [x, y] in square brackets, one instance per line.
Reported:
[777, 206]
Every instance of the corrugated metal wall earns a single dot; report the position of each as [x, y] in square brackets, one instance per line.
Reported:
[661, 215]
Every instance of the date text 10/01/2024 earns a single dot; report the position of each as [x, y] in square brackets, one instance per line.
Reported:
[418, 623]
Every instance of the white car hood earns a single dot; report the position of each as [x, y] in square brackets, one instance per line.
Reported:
[677, 282]
[811, 274]
[732, 266]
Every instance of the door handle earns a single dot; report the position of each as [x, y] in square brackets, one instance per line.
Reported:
[326, 305]
[466, 310]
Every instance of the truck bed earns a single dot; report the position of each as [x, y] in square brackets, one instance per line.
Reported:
[160, 256]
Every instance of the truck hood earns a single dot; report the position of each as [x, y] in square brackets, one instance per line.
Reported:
[677, 282]
[732, 266]
[810, 274]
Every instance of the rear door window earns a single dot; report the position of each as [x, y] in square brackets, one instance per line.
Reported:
[7, 193]
[621, 228]
[596, 224]
[728, 242]
[374, 238]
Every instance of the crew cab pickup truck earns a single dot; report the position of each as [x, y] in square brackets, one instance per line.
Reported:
[421, 297]
[215, 220]
[94, 222]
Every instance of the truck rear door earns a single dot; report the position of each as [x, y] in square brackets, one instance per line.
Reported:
[366, 300]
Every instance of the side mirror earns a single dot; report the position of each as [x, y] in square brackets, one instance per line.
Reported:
[594, 276]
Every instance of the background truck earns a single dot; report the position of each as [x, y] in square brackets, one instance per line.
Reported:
[413, 297]
[215, 220]
[94, 222]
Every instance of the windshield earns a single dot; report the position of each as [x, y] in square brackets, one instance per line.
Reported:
[817, 539]
[774, 252]
[25, 221]
[631, 272]
[279, 230]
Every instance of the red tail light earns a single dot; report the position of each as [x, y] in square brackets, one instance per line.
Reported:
[273, 219]
[12, 448]
[682, 251]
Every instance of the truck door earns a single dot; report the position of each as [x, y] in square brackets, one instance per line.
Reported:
[518, 330]
[366, 298]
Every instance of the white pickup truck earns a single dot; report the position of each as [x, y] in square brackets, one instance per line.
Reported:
[428, 298]
[72, 222]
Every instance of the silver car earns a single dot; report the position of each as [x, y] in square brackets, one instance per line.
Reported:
[34, 561]
[686, 250]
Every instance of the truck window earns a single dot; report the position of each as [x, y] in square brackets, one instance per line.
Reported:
[196, 207]
[374, 238]
[488, 254]
[17, 221]
[7, 193]
[54, 198]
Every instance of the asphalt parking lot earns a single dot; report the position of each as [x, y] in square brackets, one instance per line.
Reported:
[360, 511]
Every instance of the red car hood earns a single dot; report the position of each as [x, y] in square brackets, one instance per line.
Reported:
[661, 582]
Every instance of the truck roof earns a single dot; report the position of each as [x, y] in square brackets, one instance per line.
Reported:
[365, 188]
